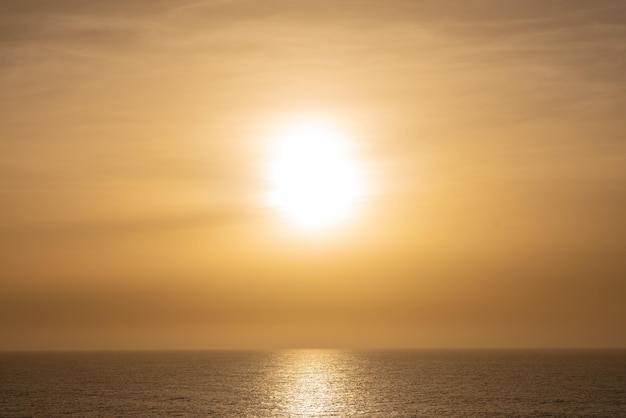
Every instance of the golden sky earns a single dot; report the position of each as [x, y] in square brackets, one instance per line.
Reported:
[135, 138]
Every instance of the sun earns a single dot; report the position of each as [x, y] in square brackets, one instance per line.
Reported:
[315, 180]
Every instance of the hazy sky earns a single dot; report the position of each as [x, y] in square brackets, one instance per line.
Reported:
[134, 139]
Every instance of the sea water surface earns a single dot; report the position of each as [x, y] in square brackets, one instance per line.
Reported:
[448, 383]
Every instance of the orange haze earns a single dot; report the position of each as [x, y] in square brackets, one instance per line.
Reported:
[134, 138]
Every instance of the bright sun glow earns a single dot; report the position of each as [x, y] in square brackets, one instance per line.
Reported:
[315, 180]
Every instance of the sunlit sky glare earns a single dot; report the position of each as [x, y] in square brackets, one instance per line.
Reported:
[315, 180]
[473, 191]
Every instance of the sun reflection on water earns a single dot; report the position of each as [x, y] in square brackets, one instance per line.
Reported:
[313, 384]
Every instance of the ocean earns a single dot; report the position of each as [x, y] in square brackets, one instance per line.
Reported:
[324, 383]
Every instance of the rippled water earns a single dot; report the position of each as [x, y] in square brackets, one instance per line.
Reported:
[315, 383]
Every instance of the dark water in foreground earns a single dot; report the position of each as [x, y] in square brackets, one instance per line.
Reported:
[315, 383]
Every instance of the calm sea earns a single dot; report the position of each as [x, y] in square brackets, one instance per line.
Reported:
[315, 383]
